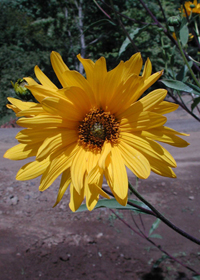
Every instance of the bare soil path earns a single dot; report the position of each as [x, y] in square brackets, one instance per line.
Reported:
[39, 242]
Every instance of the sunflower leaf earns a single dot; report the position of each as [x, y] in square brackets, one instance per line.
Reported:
[156, 236]
[154, 226]
[182, 73]
[132, 35]
[196, 101]
[196, 89]
[113, 204]
[184, 34]
[177, 85]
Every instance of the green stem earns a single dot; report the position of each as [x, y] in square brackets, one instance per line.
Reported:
[162, 218]
[185, 60]
[197, 30]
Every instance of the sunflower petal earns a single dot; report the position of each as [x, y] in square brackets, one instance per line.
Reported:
[148, 147]
[120, 179]
[123, 96]
[32, 170]
[22, 151]
[135, 160]
[111, 86]
[133, 65]
[161, 134]
[30, 81]
[88, 66]
[65, 181]
[59, 107]
[75, 198]
[59, 163]
[76, 80]
[160, 168]
[78, 169]
[13, 107]
[147, 69]
[44, 80]
[58, 141]
[59, 67]
[146, 103]
[147, 83]
[165, 107]
[21, 105]
[104, 153]
[44, 121]
[33, 111]
[142, 121]
[36, 135]
[97, 83]
[91, 159]
[40, 92]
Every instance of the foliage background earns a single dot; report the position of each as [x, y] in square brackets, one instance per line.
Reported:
[31, 29]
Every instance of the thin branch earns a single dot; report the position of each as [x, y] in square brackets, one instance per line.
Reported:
[163, 13]
[122, 26]
[151, 15]
[101, 9]
[141, 221]
[162, 218]
[182, 105]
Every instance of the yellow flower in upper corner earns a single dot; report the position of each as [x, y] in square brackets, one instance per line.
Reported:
[94, 127]
[190, 8]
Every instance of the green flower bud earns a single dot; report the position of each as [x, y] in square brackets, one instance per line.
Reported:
[174, 21]
[21, 90]
[192, 6]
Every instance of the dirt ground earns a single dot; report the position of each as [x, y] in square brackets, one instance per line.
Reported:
[41, 242]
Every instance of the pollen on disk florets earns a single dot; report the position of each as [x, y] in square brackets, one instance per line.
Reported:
[97, 127]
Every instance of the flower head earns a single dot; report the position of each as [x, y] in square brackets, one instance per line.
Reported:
[190, 7]
[94, 127]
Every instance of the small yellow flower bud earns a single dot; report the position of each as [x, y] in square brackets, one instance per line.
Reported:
[21, 90]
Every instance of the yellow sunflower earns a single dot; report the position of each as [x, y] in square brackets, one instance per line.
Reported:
[94, 127]
[191, 8]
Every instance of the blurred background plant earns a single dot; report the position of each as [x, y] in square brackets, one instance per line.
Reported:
[164, 30]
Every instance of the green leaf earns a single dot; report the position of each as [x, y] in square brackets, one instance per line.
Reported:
[160, 260]
[177, 85]
[171, 28]
[196, 277]
[198, 63]
[155, 236]
[154, 226]
[113, 204]
[196, 89]
[182, 73]
[132, 36]
[184, 34]
[196, 101]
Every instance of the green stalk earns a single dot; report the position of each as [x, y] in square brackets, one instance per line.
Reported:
[161, 217]
[185, 60]
[197, 30]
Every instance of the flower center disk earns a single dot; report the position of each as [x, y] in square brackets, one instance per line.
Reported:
[97, 127]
